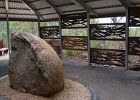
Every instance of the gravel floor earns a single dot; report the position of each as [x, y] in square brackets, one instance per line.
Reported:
[72, 91]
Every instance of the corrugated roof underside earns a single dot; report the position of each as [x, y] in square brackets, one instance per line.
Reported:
[61, 2]
[18, 9]
[104, 4]
[44, 9]
[2, 8]
[135, 1]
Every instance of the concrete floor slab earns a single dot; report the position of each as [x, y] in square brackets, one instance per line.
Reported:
[4, 65]
[109, 84]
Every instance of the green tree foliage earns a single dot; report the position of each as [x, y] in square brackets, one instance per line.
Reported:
[31, 27]
[14, 26]
[74, 32]
[53, 23]
[134, 32]
[3, 32]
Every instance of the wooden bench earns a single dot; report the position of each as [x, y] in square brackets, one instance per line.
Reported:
[3, 51]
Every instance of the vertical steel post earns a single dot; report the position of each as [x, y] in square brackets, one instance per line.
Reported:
[61, 42]
[126, 39]
[39, 27]
[88, 33]
[8, 32]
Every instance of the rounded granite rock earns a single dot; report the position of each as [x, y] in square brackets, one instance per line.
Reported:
[34, 66]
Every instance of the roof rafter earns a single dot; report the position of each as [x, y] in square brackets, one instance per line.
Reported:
[33, 9]
[85, 6]
[11, 8]
[54, 7]
[126, 3]
[42, 8]
[6, 5]
[19, 14]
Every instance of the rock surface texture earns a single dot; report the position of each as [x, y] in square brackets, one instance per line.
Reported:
[34, 66]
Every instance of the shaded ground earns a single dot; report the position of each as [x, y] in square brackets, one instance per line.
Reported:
[3, 65]
[81, 58]
[109, 84]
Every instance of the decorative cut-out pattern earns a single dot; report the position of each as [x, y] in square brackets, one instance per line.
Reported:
[75, 43]
[134, 16]
[134, 21]
[49, 32]
[107, 31]
[107, 57]
[53, 42]
[57, 49]
[74, 21]
[134, 45]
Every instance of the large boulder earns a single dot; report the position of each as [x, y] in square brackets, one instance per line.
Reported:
[34, 66]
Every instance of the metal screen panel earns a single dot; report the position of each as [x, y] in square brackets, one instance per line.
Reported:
[75, 43]
[134, 46]
[107, 32]
[134, 16]
[53, 42]
[110, 31]
[57, 49]
[49, 32]
[107, 57]
[74, 21]
[51, 35]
